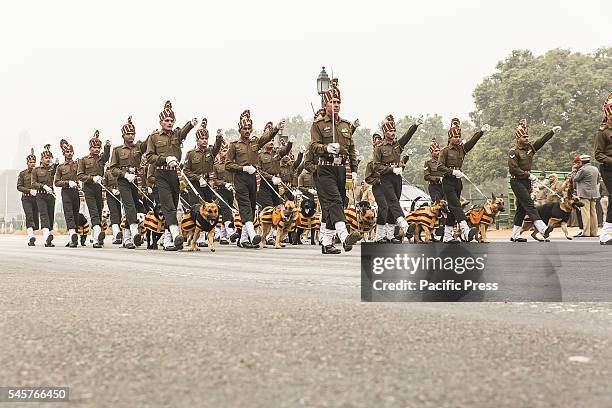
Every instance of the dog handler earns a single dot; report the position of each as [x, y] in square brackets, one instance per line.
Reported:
[520, 159]
[603, 154]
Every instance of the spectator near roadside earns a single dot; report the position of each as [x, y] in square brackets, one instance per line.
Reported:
[586, 182]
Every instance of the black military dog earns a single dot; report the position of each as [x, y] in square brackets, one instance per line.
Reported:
[555, 214]
[306, 221]
[154, 226]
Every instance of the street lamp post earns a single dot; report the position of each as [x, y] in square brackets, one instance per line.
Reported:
[322, 84]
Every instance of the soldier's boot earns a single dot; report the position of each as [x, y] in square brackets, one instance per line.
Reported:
[330, 249]
[177, 238]
[117, 234]
[127, 239]
[380, 236]
[49, 241]
[31, 241]
[202, 240]
[348, 240]
[99, 236]
[136, 238]
[448, 235]
[516, 234]
[74, 239]
[168, 242]
[253, 236]
[467, 233]
[605, 236]
[406, 230]
[543, 229]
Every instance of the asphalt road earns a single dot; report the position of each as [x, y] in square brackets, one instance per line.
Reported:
[284, 328]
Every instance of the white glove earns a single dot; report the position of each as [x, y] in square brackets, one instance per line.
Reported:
[194, 121]
[485, 128]
[33, 192]
[303, 149]
[281, 124]
[276, 180]
[532, 177]
[229, 186]
[249, 169]
[556, 129]
[72, 184]
[419, 120]
[171, 161]
[116, 192]
[354, 176]
[47, 189]
[203, 182]
[130, 177]
[149, 190]
[107, 143]
[97, 179]
[333, 148]
[312, 191]
[356, 123]
[291, 139]
[458, 173]
[397, 170]
[56, 160]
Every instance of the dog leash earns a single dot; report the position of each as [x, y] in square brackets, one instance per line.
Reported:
[550, 189]
[109, 192]
[198, 194]
[270, 185]
[475, 186]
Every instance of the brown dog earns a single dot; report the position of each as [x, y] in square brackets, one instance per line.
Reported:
[485, 216]
[425, 219]
[362, 219]
[554, 214]
[204, 217]
[283, 217]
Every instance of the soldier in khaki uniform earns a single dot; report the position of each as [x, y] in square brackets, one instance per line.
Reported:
[164, 150]
[306, 172]
[242, 159]
[386, 163]
[449, 164]
[124, 165]
[431, 174]
[332, 145]
[114, 206]
[66, 179]
[42, 181]
[90, 172]
[603, 154]
[268, 165]
[520, 159]
[28, 198]
[222, 183]
[199, 165]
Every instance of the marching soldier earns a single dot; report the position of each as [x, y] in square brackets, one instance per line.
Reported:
[296, 167]
[199, 164]
[124, 164]
[306, 172]
[287, 162]
[431, 174]
[386, 163]
[28, 198]
[269, 168]
[66, 179]
[42, 181]
[373, 178]
[603, 154]
[242, 159]
[90, 172]
[223, 186]
[449, 164]
[520, 159]
[164, 150]
[114, 206]
[332, 145]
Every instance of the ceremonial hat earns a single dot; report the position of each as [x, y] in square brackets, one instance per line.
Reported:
[128, 128]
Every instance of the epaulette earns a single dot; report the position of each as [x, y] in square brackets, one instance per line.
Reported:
[345, 121]
[319, 118]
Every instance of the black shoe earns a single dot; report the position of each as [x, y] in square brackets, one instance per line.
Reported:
[234, 237]
[223, 242]
[137, 240]
[548, 231]
[170, 248]
[101, 237]
[238, 244]
[256, 240]
[453, 241]
[83, 240]
[471, 234]
[129, 245]
[579, 235]
[74, 241]
[395, 241]
[381, 241]
[248, 245]
[119, 236]
[32, 241]
[411, 229]
[351, 240]
[97, 245]
[117, 241]
[608, 242]
[178, 242]
[521, 239]
[330, 249]
[270, 241]
[48, 242]
[203, 244]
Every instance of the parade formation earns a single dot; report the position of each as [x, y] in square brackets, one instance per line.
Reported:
[251, 190]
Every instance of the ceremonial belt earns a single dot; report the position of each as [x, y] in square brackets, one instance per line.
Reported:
[165, 167]
[339, 160]
[435, 182]
[27, 195]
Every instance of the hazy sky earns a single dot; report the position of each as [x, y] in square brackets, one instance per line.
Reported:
[70, 67]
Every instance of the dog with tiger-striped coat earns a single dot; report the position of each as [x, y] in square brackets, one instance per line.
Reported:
[361, 219]
[308, 220]
[283, 217]
[425, 220]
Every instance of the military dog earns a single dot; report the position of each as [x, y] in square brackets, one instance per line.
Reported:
[308, 220]
[425, 219]
[154, 225]
[283, 217]
[485, 216]
[554, 214]
[204, 217]
[361, 219]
